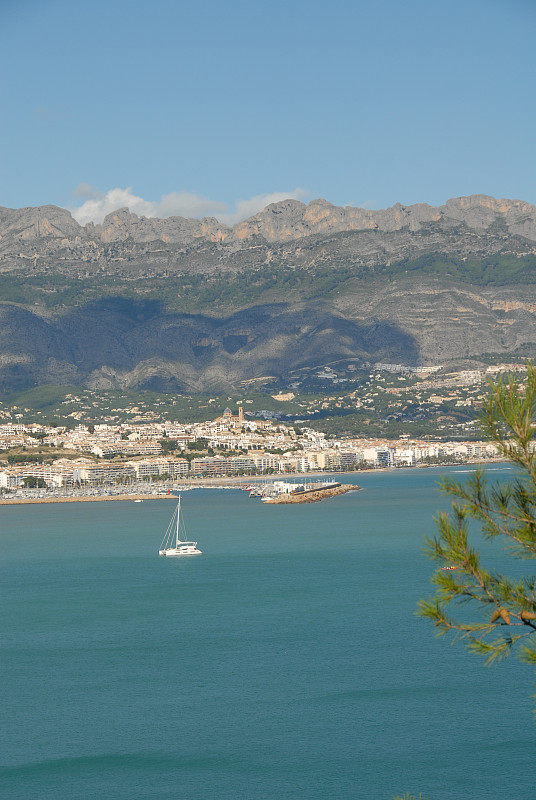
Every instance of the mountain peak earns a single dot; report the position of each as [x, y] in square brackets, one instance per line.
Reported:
[278, 222]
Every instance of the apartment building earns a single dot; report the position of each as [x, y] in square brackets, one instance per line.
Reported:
[56, 474]
[103, 474]
[173, 467]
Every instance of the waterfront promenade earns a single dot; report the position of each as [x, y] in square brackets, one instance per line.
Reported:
[167, 489]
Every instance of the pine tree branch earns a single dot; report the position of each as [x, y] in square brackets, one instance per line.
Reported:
[503, 510]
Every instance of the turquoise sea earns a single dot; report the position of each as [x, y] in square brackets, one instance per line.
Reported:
[285, 662]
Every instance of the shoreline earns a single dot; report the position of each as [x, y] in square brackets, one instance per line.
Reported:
[229, 482]
[99, 498]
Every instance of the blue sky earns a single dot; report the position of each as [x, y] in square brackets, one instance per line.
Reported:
[214, 108]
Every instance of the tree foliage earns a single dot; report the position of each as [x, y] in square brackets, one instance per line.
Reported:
[504, 512]
[34, 483]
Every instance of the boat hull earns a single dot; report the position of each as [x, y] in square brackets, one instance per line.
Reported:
[175, 552]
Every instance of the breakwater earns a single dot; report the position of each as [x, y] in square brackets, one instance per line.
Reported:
[313, 495]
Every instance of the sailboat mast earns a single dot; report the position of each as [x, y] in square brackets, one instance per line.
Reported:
[178, 517]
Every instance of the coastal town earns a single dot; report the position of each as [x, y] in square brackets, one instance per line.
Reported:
[148, 456]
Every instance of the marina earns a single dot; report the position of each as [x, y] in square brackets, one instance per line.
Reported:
[261, 488]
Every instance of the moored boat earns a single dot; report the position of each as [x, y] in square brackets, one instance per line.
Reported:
[172, 544]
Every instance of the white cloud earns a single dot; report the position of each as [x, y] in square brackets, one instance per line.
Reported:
[99, 204]
[177, 204]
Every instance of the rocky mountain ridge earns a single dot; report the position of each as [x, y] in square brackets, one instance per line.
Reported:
[293, 288]
[48, 236]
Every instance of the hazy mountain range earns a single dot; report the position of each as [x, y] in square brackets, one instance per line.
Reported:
[188, 304]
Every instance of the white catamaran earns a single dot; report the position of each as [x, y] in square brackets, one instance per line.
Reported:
[171, 543]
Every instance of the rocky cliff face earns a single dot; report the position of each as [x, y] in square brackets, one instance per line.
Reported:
[131, 344]
[49, 237]
[370, 314]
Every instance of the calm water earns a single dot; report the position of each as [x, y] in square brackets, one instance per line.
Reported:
[285, 662]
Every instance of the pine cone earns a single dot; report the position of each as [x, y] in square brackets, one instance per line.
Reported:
[505, 615]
